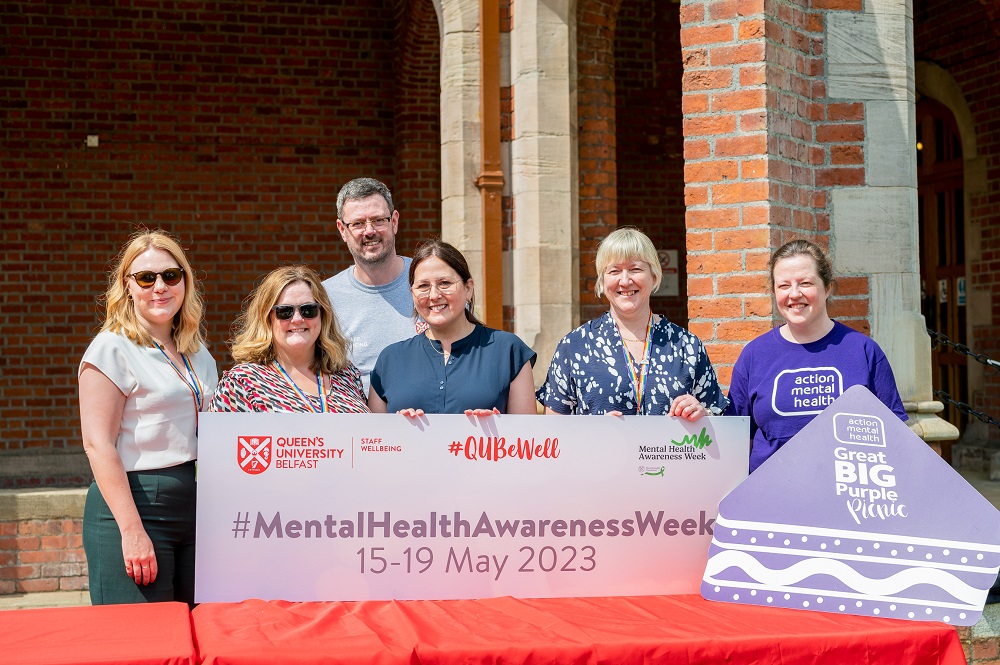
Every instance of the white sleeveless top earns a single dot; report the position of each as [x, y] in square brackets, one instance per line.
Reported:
[159, 423]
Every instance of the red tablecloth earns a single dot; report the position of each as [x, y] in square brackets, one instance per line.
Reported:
[649, 629]
[154, 634]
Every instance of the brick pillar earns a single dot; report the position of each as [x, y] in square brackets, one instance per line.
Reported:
[798, 122]
[764, 149]
[733, 179]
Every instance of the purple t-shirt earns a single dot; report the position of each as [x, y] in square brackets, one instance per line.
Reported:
[782, 385]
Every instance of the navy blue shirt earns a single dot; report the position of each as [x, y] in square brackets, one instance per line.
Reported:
[412, 374]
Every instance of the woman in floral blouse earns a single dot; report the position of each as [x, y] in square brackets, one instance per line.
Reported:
[630, 360]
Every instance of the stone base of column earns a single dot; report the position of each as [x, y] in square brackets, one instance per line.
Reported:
[925, 423]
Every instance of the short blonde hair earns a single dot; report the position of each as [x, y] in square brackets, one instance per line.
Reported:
[627, 244]
[254, 341]
[120, 316]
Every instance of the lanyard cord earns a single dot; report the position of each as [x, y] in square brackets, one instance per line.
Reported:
[191, 381]
[320, 388]
[639, 373]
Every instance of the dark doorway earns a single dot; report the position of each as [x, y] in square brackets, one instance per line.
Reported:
[941, 206]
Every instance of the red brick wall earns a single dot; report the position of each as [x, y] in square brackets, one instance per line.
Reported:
[232, 126]
[630, 143]
[418, 121]
[649, 139]
[965, 40]
[979, 649]
[598, 175]
[42, 555]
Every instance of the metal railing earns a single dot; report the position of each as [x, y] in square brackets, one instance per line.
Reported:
[938, 339]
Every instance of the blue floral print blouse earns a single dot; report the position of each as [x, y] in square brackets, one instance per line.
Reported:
[589, 373]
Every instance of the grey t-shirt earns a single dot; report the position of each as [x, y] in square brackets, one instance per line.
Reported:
[371, 317]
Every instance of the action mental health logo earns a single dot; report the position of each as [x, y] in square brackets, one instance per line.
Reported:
[801, 392]
[862, 476]
[253, 453]
[859, 429]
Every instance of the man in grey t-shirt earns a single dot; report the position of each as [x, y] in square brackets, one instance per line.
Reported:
[371, 298]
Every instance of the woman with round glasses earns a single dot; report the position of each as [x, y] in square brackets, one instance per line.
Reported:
[290, 353]
[458, 365]
[630, 360]
[143, 381]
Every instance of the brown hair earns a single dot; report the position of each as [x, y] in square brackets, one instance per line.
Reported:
[451, 256]
[799, 247]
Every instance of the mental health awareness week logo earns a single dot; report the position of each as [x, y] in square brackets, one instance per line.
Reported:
[690, 447]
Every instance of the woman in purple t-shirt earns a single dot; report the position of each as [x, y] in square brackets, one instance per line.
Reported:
[786, 376]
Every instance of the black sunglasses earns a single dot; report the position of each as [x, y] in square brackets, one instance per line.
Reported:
[147, 278]
[309, 310]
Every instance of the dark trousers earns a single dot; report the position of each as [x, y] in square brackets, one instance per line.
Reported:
[165, 499]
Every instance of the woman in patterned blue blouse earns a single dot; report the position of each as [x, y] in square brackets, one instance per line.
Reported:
[630, 361]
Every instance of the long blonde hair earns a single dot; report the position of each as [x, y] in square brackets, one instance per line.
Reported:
[254, 341]
[120, 317]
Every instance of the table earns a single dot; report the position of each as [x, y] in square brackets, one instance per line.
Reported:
[639, 629]
[154, 634]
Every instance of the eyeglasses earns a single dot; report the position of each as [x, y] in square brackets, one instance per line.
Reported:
[377, 224]
[309, 310]
[444, 287]
[147, 278]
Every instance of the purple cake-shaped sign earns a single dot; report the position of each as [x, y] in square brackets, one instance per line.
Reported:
[856, 514]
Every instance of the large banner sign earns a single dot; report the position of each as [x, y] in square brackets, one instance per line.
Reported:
[856, 514]
[309, 507]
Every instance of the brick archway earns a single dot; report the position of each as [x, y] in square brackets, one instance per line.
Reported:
[649, 134]
[417, 118]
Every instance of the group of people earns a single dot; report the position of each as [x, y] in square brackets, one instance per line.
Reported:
[400, 335]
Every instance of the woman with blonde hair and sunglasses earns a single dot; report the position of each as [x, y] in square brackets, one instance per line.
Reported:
[143, 381]
[290, 353]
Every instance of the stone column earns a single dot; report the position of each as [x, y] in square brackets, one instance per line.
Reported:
[874, 227]
[543, 175]
[461, 210]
